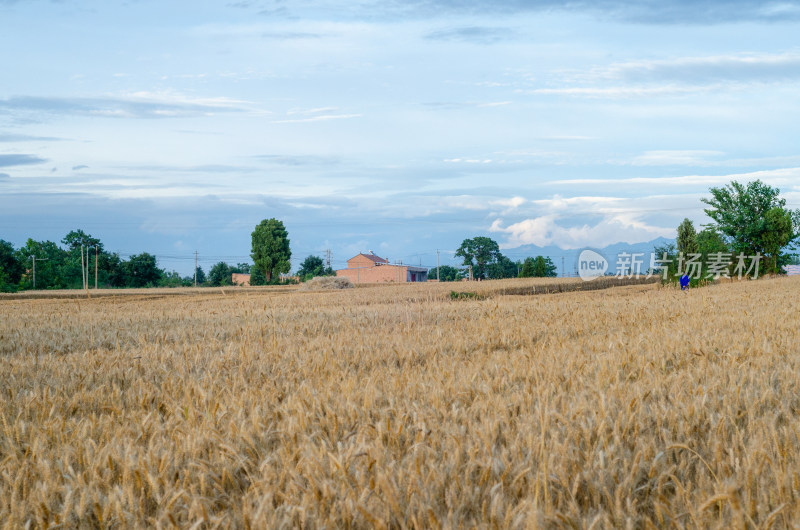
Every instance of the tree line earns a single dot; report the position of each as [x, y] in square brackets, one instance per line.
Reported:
[482, 255]
[65, 266]
[746, 218]
[81, 260]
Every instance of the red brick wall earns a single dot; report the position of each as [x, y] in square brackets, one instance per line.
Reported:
[360, 261]
[381, 273]
[240, 279]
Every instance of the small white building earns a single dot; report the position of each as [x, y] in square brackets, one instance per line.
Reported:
[792, 270]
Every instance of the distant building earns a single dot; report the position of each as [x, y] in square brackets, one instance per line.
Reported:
[792, 270]
[240, 279]
[369, 268]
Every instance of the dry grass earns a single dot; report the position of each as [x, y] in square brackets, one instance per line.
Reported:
[394, 406]
[326, 283]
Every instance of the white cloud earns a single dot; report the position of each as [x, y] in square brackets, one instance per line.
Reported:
[317, 110]
[171, 97]
[773, 177]
[513, 202]
[494, 104]
[547, 230]
[322, 117]
[468, 160]
[737, 67]
[625, 91]
[677, 158]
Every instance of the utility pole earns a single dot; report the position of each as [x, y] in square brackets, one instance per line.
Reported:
[195, 268]
[83, 269]
[437, 265]
[95, 267]
[328, 258]
[34, 259]
[563, 270]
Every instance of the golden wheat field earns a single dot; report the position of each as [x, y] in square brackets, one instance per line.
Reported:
[399, 407]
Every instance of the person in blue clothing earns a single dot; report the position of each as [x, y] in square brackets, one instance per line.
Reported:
[685, 282]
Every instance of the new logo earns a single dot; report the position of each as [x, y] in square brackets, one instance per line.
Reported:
[591, 264]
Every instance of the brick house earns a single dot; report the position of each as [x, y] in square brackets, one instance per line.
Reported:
[369, 268]
[240, 279]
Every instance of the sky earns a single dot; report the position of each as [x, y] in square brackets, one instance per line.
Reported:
[401, 127]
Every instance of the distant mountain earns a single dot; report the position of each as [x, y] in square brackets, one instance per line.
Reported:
[568, 258]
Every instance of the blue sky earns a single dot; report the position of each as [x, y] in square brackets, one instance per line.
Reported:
[400, 127]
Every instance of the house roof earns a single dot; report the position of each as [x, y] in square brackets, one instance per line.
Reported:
[372, 257]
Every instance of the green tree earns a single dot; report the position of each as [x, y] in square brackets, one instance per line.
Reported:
[257, 277]
[780, 230]
[201, 276]
[687, 238]
[527, 270]
[75, 238]
[538, 267]
[79, 242]
[115, 271]
[141, 270]
[49, 264]
[220, 274]
[170, 279]
[710, 241]
[668, 256]
[312, 266]
[502, 267]
[544, 267]
[270, 248]
[447, 273]
[241, 268]
[479, 252]
[11, 269]
[755, 219]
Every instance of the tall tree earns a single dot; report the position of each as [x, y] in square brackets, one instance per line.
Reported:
[201, 276]
[502, 267]
[75, 238]
[49, 264]
[11, 269]
[220, 274]
[115, 270]
[312, 266]
[528, 270]
[687, 238]
[779, 232]
[479, 252]
[82, 250]
[543, 267]
[142, 270]
[755, 219]
[710, 241]
[667, 256]
[257, 276]
[270, 248]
